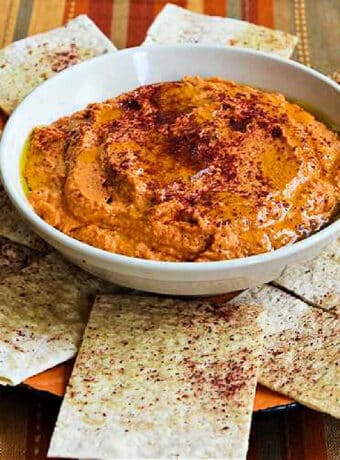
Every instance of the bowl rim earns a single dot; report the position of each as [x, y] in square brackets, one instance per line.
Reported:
[164, 266]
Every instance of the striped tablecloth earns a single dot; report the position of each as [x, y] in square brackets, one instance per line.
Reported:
[27, 417]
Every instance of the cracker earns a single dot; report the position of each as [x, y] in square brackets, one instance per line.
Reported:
[14, 257]
[177, 25]
[27, 63]
[43, 312]
[161, 378]
[301, 350]
[318, 281]
[13, 227]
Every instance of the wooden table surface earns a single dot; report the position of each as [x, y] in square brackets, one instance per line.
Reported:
[27, 417]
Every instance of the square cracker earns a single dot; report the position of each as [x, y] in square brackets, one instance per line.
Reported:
[178, 25]
[28, 62]
[14, 257]
[301, 352]
[43, 312]
[317, 281]
[161, 378]
[13, 227]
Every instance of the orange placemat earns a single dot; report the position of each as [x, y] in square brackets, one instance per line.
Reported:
[55, 380]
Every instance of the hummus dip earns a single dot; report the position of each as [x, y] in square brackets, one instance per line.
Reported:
[194, 170]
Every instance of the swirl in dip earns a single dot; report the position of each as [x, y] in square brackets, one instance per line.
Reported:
[195, 170]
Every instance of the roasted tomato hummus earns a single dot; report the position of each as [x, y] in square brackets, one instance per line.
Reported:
[194, 170]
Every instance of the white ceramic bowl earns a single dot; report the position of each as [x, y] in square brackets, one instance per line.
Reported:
[109, 75]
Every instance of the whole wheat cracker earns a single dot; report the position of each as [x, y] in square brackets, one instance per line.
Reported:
[161, 378]
[317, 281]
[13, 227]
[301, 352]
[178, 25]
[14, 257]
[43, 313]
[28, 62]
